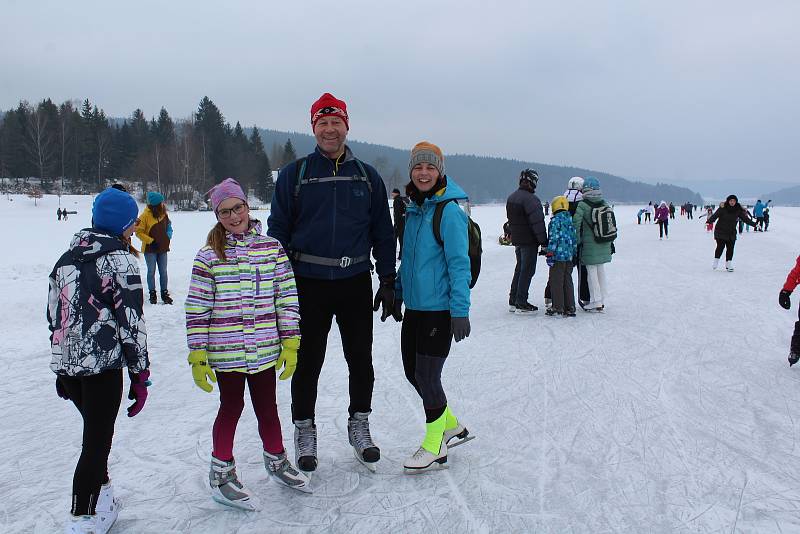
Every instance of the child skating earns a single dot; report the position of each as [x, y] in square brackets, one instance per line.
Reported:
[242, 321]
[561, 250]
[97, 329]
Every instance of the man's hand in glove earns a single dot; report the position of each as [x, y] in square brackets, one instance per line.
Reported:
[384, 297]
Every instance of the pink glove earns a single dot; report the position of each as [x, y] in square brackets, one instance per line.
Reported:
[138, 391]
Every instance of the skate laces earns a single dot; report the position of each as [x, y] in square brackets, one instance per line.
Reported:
[421, 452]
[306, 441]
[361, 436]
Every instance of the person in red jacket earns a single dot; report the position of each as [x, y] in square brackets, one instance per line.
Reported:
[783, 299]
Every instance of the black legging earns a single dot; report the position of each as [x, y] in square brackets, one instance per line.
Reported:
[663, 228]
[350, 301]
[724, 244]
[97, 398]
[425, 340]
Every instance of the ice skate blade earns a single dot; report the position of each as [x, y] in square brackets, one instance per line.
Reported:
[436, 465]
[371, 466]
[305, 488]
[512, 309]
[246, 504]
[456, 441]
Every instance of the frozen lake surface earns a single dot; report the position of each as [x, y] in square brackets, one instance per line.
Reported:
[673, 411]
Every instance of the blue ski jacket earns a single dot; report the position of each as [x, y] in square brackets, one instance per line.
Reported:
[436, 277]
[333, 219]
[563, 241]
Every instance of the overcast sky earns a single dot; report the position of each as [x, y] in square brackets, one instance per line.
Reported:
[678, 90]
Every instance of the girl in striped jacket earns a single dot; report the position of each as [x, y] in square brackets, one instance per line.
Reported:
[242, 321]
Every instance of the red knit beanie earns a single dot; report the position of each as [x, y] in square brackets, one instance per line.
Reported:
[328, 105]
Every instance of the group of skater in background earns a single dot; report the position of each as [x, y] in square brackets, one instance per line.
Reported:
[259, 309]
[581, 234]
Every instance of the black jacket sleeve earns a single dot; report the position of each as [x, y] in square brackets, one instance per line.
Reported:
[535, 215]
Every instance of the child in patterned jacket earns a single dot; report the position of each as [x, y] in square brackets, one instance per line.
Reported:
[97, 330]
[242, 321]
[561, 249]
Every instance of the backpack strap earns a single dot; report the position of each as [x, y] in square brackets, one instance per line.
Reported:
[438, 211]
[301, 172]
[301, 180]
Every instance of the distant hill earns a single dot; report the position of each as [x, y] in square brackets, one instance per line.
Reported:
[488, 179]
[789, 196]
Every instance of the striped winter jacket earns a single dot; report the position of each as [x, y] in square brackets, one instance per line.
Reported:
[239, 309]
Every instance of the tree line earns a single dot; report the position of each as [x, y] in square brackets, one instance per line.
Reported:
[75, 147]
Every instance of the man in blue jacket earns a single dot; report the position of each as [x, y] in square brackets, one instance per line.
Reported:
[329, 212]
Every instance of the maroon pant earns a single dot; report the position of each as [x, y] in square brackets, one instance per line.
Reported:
[231, 404]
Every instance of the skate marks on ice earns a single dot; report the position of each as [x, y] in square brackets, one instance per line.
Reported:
[674, 411]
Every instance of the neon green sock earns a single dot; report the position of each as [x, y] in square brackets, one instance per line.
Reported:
[433, 435]
[450, 420]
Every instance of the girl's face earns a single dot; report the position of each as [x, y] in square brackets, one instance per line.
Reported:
[732, 202]
[234, 215]
[424, 176]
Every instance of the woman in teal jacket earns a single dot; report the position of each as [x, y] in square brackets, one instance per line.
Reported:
[593, 254]
[434, 284]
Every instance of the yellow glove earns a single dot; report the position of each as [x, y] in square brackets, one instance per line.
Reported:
[288, 358]
[201, 370]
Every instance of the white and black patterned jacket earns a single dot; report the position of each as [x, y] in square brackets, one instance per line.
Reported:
[95, 308]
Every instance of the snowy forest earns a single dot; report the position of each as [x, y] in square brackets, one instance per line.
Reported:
[77, 148]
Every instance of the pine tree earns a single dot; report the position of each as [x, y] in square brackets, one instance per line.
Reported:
[289, 155]
[211, 126]
[263, 170]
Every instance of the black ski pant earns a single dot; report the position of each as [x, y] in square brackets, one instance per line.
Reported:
[663, 228]
[690, 215]
[398, 234]
[561, 288]
[583, 278]
[97, 398]
[425, 343]
[350, 301]
[796, 336]
[647, 217]
[724, 244]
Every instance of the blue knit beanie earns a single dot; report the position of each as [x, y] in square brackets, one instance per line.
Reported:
[591, 183]
[114, 211]
[154, 198]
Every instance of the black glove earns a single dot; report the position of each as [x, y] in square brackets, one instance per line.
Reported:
[384, 297]
[460, 328]
[62, 392]
[783, 299]
[397, 310]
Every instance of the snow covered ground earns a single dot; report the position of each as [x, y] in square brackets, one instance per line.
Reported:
[674, 411]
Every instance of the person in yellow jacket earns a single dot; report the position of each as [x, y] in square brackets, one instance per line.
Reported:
[154, 229]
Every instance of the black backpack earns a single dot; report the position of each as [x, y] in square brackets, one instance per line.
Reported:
[603, 222]
[475, 248]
